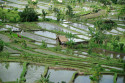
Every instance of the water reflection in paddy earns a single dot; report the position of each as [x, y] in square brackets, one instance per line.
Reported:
[34, 73]
[37, 38]
[18, 1]
[46, 33]
[82, 79]
[72, 28]
[48, 45]
[50, 26]
[9, 27]
[110, 53]
[10, 71]
[81, 26]
[120, 29]
[84, 37]
[103, 79]
[51, 17]
[15, 5]
[60, 75]
[106, 79]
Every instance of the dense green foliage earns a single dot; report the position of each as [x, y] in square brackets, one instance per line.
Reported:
[44, 13]
[9, 15]
[70, 44]
[98, 36]
[121, 2]
[69, 11]
[105, 24]
[122, 11]
[105, 2]
[44, 45]
[1, 45]
[97, 69]
[59, 14]
[28, 15]
[45, 79]
[32, 2]
[24, 44]
[114, 1]
[115, 78]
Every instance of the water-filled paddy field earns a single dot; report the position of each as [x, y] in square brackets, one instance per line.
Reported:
[31, 52]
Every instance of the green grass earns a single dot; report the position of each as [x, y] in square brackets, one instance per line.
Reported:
[115, 78]
[23, 73]
[73, 77]
[45, 71]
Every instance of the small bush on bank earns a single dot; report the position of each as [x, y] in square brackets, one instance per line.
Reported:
[1, 45]
[70, 44]
[44, 44]
[28, 15]
[105, 24]
[32, 2]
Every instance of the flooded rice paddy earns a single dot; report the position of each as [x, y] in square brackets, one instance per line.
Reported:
[11, 72]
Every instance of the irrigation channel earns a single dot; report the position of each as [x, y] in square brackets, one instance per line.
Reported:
[60, 64]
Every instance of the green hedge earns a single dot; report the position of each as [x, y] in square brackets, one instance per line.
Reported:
[8, 15]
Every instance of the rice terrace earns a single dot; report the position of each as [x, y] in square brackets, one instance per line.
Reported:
[62, 41]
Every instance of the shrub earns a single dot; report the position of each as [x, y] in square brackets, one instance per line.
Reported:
[44, 14]
[80, 46]
[105, 24]
[44, 45]
[69, 51]
[117, 71]
[114, 1]
[121, 2]
[124, 67]
[70, 44]
[121, 46]
[70, 35]
[69, 11]
[58, 48]
[121, 11]
[97, 69]
[9, 15]
[28, 15]
[89, 50]
[105, 2]
[24, 44]
[4, 54]
[97, 37]
[32, 2]
[95, 10]
[45, 79]
[1, 45]
[58, 14]
[115, 44]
